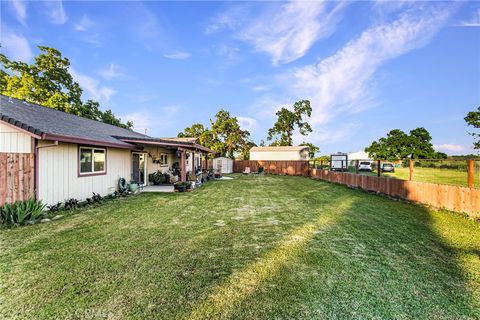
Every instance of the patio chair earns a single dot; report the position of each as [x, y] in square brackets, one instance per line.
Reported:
[260, 171]
[247, 170]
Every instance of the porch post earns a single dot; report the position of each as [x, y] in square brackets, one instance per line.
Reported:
[183, 167]
[193, 162]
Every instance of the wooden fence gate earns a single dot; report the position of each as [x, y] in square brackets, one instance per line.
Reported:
[17, 177]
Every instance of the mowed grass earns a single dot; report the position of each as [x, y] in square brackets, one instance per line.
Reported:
[268, 247]
[431, 175]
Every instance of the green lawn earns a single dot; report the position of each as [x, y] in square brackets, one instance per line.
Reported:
[441, 176]
[265, 247]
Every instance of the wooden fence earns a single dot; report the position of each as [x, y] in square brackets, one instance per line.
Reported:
[454, 198]
[17, 177]
[292, 168]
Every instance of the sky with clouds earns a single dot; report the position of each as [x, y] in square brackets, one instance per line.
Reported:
[366, 67]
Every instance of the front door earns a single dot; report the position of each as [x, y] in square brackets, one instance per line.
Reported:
[139, 168]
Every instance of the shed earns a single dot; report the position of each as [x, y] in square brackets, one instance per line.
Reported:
[282, 153]
[223, 164]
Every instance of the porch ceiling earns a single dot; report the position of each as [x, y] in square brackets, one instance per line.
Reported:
[168, 143]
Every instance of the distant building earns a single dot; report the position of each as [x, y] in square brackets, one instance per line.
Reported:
[359, 155]
[288, 153]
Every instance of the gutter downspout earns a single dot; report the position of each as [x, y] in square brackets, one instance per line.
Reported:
[35, 155]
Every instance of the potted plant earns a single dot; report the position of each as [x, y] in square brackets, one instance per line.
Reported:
[182, 186]
[188, 186]
[157, 178]
[133, 186]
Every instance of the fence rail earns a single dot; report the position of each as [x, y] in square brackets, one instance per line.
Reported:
[17, 177]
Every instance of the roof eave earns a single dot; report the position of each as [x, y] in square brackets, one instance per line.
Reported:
[77, 140]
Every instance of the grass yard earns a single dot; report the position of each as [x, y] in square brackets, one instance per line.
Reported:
[267, 247]
[441, 176]
[432, 175]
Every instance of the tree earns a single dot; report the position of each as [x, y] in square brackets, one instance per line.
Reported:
[230, 138]
[473, 119]
[225, 136]
[282, 131]
[313, 148]
[49, 83]
[399, 145]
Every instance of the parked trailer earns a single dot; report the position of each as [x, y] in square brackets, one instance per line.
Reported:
[339, 162]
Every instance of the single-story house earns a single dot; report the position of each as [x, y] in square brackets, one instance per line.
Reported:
[58, 155]
[288, 153]
[360, 156]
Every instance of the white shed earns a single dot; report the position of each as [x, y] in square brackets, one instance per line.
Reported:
[223, 164]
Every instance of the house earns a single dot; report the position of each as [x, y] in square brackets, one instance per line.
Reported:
[289, 153]
[57, 155]
[360, 156]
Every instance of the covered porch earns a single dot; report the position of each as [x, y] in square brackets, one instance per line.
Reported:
[180, 158]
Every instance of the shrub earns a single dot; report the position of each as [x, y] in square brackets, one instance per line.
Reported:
[19, 212]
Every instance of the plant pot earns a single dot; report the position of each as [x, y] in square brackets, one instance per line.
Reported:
[182, 188]
[133, 187]
[175, 187]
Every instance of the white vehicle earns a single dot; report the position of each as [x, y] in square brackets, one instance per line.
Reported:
[365, 166]
[339, 162]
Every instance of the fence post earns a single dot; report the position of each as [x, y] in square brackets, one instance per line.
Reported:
[471, 172]
[379, 170]
[410, 174]
[356, 166]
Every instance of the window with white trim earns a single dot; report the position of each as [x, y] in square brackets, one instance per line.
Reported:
[91, 160]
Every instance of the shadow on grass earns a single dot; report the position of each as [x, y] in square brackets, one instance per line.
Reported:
[375, 259]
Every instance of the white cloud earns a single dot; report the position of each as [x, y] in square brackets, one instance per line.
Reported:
[287, 34]
[259, 88]
[177, 55]
[153, 123]
[92, 86]
[447, 147]
[20, 10]
[247, 123]
[342, 83]
[284, 32]
[84, 24]
[473, 22]
[15, 46]
[55, 11]
[111, 72]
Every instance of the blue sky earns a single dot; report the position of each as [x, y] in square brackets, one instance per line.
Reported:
[366, 67]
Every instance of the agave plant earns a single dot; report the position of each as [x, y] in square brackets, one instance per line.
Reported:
[20, 212]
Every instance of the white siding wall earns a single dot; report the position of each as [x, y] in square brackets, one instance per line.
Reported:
[13, 140]
[277, 155]
[58, 173]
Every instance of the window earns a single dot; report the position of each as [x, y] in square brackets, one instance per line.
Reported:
[164, 159]
[92, 160]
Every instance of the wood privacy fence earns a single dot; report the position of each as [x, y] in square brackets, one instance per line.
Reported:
[454, 198]
[292, 168]
[17, 177]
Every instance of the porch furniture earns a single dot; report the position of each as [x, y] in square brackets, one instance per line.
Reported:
[247, 170]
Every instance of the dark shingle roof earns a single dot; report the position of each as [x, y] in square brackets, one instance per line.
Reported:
[50, 122]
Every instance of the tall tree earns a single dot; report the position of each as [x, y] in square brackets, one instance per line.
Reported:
[225, 135]
[282, 131]
[399, 145]
[48, 82]
[473, 119]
